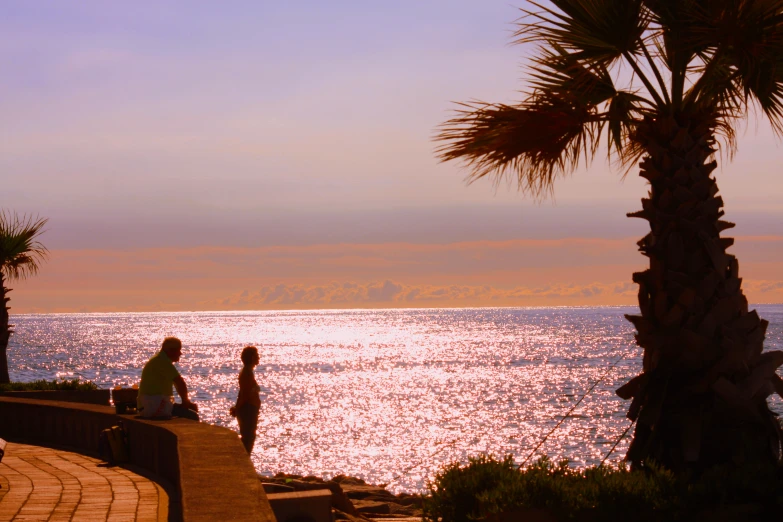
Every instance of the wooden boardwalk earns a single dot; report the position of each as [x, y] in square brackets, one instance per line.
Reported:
[46, 484]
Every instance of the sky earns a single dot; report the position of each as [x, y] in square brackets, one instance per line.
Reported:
[199, 155]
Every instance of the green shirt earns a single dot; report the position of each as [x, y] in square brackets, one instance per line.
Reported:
[157, 377]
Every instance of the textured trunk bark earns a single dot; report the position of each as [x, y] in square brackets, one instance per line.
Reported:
[701, 397]
[5, 331]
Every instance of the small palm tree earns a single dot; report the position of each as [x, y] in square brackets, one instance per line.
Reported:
[20, 257]
[665, 82]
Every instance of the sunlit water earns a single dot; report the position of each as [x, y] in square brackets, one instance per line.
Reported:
[386, 395]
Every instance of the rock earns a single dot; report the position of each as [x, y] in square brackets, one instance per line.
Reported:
[406, 499]
[366, 492]
[286, 476]
[525, 515]
[381, 497]
[408, 511]
[297, 483]
[395, 518]
[273, 487]
[340, 515]
[344, 479]
[352, 496]
[339, 500]
[371, 506]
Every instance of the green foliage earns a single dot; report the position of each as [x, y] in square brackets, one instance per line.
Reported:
[488, 486]
[44, 385]
[485, 486]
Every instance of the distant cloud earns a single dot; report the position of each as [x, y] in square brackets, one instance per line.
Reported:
[765, 286]
[391, 293]
[567, 272]
[624, 288]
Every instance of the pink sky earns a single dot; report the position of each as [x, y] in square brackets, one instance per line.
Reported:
[198, 155]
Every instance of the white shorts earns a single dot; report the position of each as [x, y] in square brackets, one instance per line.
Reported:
[155, 405]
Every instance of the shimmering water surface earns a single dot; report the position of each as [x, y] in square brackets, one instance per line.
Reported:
[386, 395]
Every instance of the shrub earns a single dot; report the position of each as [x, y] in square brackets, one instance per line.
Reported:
[488, 486]
[44, 385]
[461, 494]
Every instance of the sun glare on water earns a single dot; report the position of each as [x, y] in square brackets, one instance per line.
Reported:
[386, 395]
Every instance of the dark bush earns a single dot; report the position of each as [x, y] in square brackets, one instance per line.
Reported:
[488, 486]
[485, 486]
[44, 385]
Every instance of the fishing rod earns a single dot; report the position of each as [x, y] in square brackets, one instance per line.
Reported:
[617, 442]
[402, 473]
[611, 367]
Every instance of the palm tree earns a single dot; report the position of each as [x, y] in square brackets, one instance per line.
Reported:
[666, 82]
[20, 257]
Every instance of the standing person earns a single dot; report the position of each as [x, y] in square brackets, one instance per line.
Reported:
[248, 401]
[158, 378]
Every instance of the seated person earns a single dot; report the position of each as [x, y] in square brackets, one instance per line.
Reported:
[158, 378]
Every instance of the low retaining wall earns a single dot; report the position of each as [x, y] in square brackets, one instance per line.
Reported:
[207, 464]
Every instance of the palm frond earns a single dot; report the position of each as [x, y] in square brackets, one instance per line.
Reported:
[719, 57]
[757, 55]
[558, 74]
[21, 253]
[549, 133]
[741, 44]
[537, 141]
[687, 26]
[764, 82]
[721, 109]
[596, 31]
[623, 114]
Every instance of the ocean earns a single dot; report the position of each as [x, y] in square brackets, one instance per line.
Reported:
[386, 395]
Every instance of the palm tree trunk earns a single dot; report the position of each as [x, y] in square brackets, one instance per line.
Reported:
[5, 331]
[701, 397]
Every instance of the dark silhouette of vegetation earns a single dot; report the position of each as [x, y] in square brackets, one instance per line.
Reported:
[488, 487]
[20, 256]
[54, 385]
[665, 82]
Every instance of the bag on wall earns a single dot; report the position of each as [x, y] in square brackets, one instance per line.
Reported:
[113, 445]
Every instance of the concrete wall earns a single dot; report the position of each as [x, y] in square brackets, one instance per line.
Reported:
[207, 464]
